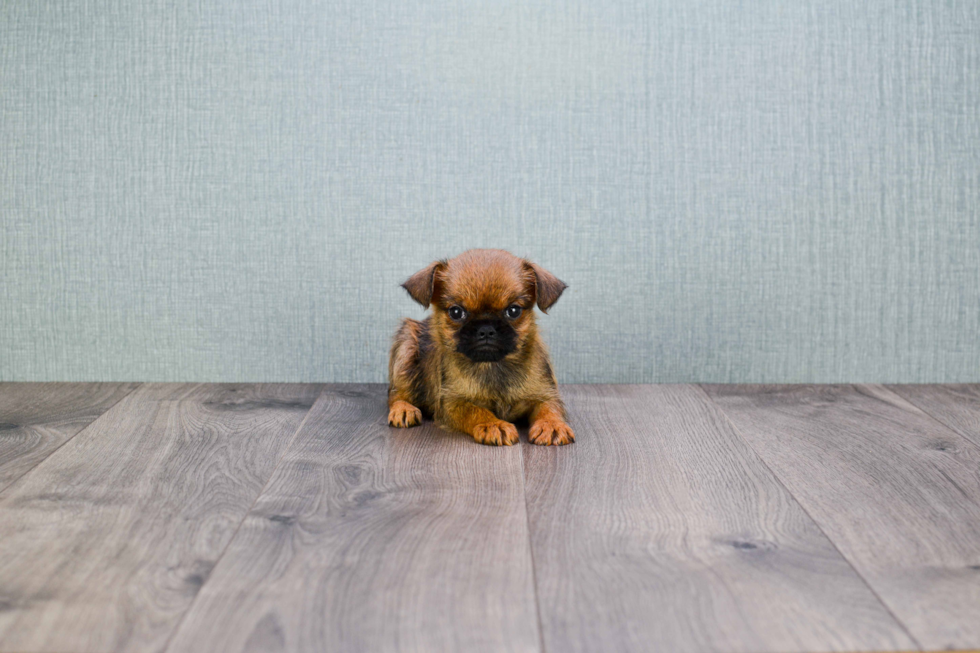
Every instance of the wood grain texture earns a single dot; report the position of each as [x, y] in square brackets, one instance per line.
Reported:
[371, 538]
[37, 418]
[955, 405]
[897, 492]
[104, 544]
[661, 530]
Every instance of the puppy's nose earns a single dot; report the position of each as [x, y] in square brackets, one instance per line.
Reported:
[486, 332]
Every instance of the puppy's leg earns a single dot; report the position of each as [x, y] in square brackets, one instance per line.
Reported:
[483, 425]
[548, 425]
[403, 374]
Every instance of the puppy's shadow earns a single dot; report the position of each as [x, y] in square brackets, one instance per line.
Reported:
[434, 435]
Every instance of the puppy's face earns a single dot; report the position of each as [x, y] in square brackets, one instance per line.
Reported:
[483, 301]
[485, 307]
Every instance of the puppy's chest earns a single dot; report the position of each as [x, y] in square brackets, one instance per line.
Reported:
[506, 401]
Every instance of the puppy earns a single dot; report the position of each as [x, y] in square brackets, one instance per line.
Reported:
[477, 364]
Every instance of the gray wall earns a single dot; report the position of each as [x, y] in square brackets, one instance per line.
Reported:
[734, 191]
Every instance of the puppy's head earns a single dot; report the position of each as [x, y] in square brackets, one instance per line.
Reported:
[483, 301]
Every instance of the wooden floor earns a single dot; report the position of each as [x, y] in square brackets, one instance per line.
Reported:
[188, 517]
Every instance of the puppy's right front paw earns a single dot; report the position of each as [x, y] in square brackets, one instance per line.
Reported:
[496, 433]
[403, 414]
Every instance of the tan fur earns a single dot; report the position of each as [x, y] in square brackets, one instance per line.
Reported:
[427, 373]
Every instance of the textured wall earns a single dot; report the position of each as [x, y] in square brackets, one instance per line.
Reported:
[735, 191]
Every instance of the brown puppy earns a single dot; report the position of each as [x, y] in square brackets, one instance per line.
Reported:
[477, 362]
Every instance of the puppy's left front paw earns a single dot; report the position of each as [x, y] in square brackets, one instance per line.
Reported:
[547, 432]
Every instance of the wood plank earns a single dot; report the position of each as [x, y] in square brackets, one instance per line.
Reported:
[955, 405]
[37, 418]
[371, 538]
[897, 492]
[105, 543]
[661, 530]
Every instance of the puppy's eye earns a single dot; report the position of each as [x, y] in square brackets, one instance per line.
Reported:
[513, 312]
[457, 313]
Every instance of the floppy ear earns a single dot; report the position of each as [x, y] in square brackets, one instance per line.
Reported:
[547, 287]
[424, 285]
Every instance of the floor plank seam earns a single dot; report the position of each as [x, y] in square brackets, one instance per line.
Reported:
[53, 451]
[200, 590]
[530, 551]
[816, 523]
[939, 421]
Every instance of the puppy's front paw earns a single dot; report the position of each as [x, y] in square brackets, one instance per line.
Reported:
[548, 432]
[403, 414]
[496, 433]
